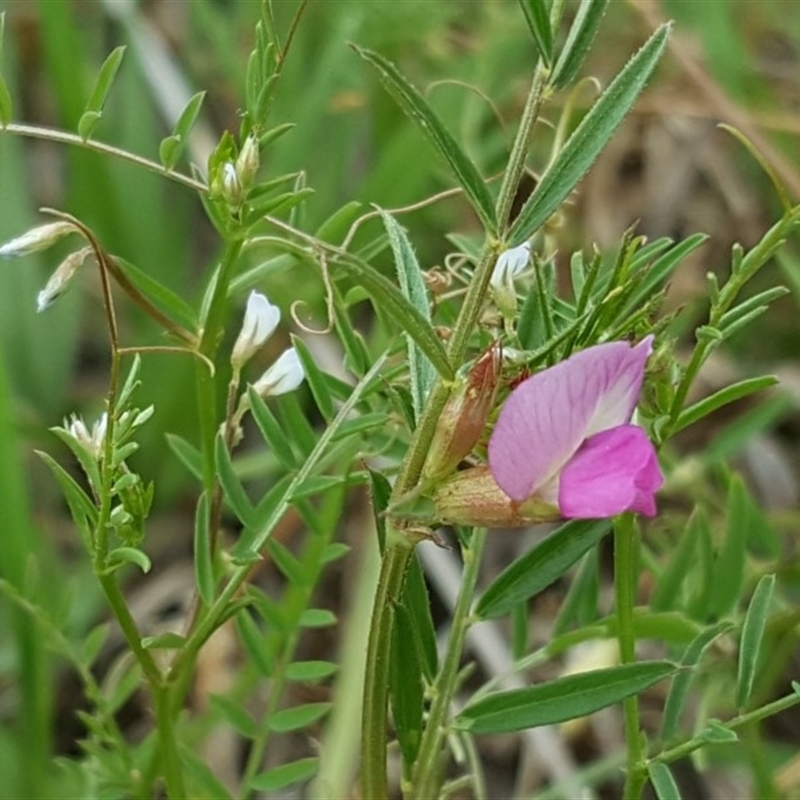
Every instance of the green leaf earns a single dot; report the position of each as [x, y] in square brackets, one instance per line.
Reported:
[416, 602]
[310, 671]
[272, 431]
[293, 719]
[255, 643]
[406, 690]
[588, 139]
[667, 592]
[129, 555]
[235, 715]
[380, 492]
[164, 641]
[335, 227]
[316, 380]
[562, 699]
[581, 603]
[93, 111]
[317, 618]
[324, 483]
[387, 298]
[171, 147]
[167, 301]
[232, 488]
[409, 275]
[81, 508]
[540, 567]
[663, 783]
[755, 622]
[679, 687]
[187, 454]
[728, 575]
[286, 562]
[285, 775]
[538, 19]
[203, 557]
[202, 781]
[578, 42]
[417, 108]
[736, 391]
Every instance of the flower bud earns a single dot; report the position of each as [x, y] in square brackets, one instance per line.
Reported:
[472, 497]
[464, 416]
[59, 281]
[285, 375]
[248, 162]
[36, 239]
[230, 186]
[509, 264]
[94, 441]
[260, 320]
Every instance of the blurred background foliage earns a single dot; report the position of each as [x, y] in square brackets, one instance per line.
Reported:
[670, 169]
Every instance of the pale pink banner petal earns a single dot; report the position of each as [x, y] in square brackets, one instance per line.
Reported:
[548, 416]
[614, 471]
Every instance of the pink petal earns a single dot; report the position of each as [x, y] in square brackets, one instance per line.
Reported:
[613, 471]
[547, 417]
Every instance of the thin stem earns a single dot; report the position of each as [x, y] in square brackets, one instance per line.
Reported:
[398, 551]
[686, 748]
[519, 150]
[170, 758]
[426, 780]
[63, 137]
[626, 552]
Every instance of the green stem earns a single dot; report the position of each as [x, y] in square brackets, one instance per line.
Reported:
[398, 552]
[626, 552]
[51, 135]
[426, 781]
[688, 747]
[376, 679]
[170, 758]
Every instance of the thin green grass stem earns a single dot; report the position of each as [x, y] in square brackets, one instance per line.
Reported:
[626, 571]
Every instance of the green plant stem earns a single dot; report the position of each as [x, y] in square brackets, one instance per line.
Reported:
[63, 137]
[399, 549]
[426, 780]
[684, 749]
[168, 746]
[519, 150]
[626, 551]
[391, 580]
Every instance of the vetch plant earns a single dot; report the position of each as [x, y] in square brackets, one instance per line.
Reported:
[516, 398]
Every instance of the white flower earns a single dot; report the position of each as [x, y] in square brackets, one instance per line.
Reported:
[285, 375]
[39, 238]
[509, 264]
[260, 320]
[60, 279]
[232, 189]
[247, 162]
[93, 441]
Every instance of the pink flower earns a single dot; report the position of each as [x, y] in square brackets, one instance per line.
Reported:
[565, 435]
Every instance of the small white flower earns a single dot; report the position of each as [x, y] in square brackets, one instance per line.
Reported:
[285, 375]
[260, 320]
[93, 441]
[39, 238]
[508, 266]
[60, 279]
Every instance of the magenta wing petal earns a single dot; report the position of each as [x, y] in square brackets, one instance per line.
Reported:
[547, 417]
[614, 471]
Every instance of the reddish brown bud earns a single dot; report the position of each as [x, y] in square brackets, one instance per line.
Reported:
[464, 416]
[472, 497]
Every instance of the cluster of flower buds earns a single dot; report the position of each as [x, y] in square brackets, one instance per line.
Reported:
[42, 237]
[233, 179]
